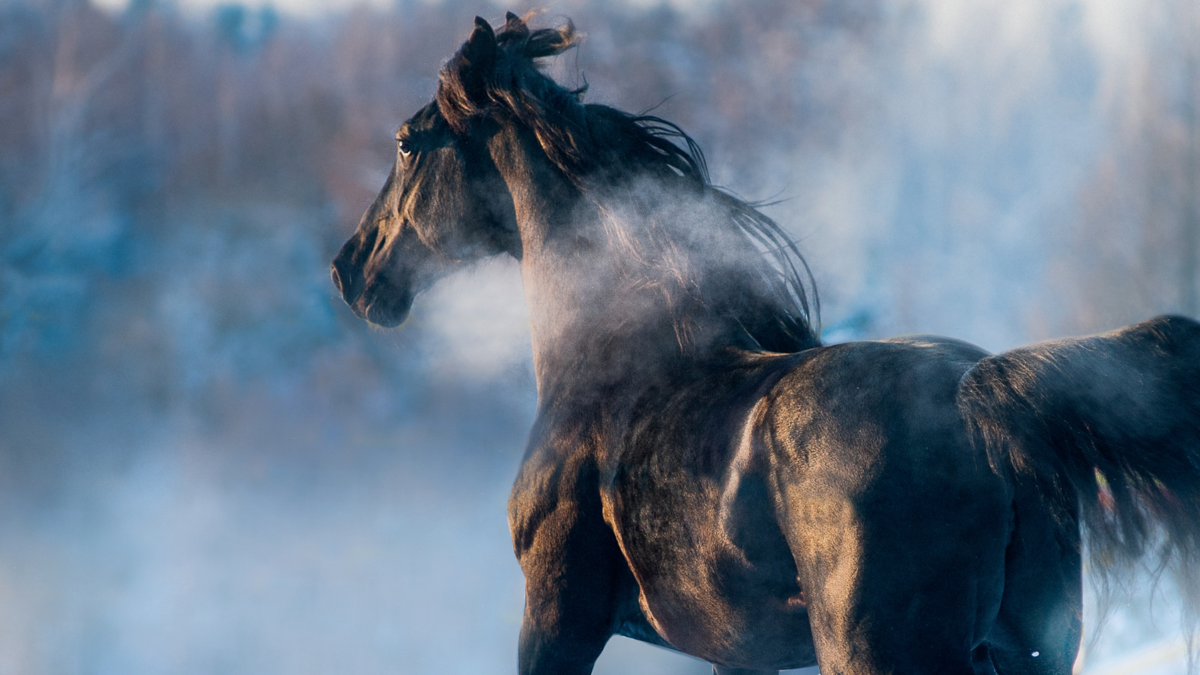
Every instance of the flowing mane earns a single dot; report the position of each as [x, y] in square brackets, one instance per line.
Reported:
[602, 150]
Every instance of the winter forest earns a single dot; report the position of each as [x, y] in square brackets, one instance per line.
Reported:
[208, 464]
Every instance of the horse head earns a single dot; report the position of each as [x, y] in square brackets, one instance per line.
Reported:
[625, 198]
[444, 203]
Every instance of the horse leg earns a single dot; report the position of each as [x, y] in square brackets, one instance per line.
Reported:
[722, 670]
[576, 580]
[1039, 626]
[570, 602]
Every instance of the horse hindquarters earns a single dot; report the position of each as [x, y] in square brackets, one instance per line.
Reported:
[894, 587]
[897, 526]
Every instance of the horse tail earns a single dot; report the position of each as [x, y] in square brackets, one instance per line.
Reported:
[1109, 426]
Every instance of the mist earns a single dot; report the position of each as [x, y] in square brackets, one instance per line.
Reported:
[207, 463]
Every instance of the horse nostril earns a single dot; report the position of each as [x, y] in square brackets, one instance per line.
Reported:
[348, 283]
[337, 279]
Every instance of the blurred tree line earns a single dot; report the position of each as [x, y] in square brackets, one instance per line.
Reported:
[173, 184]
[1138, 226]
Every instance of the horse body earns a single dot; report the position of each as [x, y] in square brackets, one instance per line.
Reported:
[702, 474]
[745, 492]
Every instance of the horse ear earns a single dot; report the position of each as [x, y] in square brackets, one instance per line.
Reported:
[479, 52]
[463, 84]
[515, 29]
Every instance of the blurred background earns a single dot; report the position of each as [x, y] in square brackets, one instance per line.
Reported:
[208, 465]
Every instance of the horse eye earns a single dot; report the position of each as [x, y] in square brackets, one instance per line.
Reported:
[405, 147]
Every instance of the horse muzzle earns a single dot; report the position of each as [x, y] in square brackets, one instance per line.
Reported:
[379, 302]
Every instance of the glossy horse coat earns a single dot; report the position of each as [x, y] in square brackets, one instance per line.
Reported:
[703, 474]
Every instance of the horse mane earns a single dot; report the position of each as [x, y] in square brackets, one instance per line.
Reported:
[599, 149]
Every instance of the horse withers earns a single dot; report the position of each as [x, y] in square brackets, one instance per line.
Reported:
[703, 474]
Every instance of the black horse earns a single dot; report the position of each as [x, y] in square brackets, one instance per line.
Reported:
[703, 474]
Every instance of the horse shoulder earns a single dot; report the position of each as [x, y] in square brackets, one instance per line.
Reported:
[556, 490]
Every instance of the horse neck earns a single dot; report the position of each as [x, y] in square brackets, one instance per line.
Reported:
[588, 329]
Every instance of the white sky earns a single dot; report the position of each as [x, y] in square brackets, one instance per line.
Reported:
[315, 7]
[953, 21]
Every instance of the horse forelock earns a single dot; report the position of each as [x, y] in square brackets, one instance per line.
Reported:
[512, 81]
